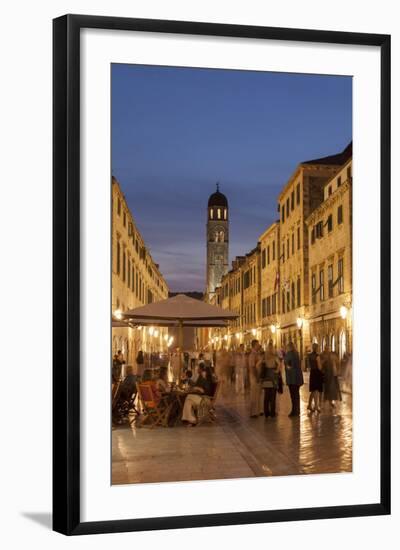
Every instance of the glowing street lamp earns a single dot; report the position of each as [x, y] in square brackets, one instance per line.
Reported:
[273, 329]
[253, 331]
[118, 314]
[343, 312]
[299, 322]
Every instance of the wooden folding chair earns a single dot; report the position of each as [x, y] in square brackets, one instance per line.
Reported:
[155, 410]
[206, 407]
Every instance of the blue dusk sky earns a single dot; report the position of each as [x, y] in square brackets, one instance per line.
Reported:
[177, 131]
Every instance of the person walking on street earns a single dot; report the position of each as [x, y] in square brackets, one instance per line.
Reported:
[222, 370]
[316, 380]
[255, 362]
[330, 372]
[270, 380]
[240, 369]
[294, 377]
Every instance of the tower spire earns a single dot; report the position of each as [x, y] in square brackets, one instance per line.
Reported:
[217, 186]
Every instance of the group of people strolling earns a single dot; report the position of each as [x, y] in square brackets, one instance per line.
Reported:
[266, 372]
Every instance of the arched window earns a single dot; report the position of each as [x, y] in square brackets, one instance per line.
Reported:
[219, 236]
[219, 213]
[211, 213]
[224, 213]
[333, 343]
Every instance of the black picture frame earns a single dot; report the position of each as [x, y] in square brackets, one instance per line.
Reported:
[66, 273]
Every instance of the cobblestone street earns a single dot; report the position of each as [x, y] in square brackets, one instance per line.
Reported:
[237, 446]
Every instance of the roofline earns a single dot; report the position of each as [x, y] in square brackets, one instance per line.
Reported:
[269, 229]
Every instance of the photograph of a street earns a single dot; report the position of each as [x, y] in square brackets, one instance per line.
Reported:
[231, 313]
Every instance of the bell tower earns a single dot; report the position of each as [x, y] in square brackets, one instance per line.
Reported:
[217, 240]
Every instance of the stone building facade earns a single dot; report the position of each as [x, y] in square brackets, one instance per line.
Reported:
[136, 280]
[330, 264]
[217, 241]
[269, 282]
[274, 287]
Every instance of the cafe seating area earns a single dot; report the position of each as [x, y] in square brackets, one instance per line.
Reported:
[146, 406]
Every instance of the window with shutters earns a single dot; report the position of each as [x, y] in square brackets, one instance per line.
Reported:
[298, 238]
[298, 292]
[329, 223]
[273, 250]
[298, 194]
[321, 286]
[319, 231]
[263, 259]
[340, 276]
[118, 257]
[283, 213]
[292, 200]
[313, 288]
[340, 214]
[330, 280]
[293, 297]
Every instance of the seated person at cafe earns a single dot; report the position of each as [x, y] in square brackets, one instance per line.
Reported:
[128, 386]
[162, 383]
[187, 379]
[204, 386]
[148, 380]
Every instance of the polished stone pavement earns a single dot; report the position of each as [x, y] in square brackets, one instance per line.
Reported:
[237, 446]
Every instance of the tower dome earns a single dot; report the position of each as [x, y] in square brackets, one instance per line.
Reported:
[218, 199]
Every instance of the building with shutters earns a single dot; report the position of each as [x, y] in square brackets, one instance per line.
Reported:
[330, 264]
[136, 280]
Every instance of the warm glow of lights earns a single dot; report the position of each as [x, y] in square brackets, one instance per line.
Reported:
[299, 322]
[118, 314]
[273, 329]
[225, 337]
[253, 331]
[171, 339]
[238, 335]
[343, 312]
[166, 337]
[156, 333]
[151, 331]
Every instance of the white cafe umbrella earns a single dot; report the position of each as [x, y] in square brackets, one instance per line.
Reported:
[184, 311]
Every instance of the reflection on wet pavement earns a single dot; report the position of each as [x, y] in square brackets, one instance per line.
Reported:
[237, 446]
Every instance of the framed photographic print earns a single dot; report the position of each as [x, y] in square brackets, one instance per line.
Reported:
[221, 274]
